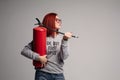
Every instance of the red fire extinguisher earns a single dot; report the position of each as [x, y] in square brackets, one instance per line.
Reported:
[39, 43]
[39, 40]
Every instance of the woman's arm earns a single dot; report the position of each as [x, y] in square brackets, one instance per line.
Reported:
[64, 50]
[27, 52]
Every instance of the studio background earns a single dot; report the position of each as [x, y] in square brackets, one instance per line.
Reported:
[95, 55]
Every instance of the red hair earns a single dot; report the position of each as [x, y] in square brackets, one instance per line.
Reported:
[49, 21]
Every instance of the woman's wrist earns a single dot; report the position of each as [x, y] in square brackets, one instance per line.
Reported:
[65, 38]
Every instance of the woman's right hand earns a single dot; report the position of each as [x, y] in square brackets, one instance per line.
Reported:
[43, 60]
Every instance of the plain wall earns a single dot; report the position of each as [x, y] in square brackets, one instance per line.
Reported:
[95, 55]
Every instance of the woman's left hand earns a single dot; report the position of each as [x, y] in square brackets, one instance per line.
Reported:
[67, 35]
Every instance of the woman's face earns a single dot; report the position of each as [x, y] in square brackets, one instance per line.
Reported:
[57, 23]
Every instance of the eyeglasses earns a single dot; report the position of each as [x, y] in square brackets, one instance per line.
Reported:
[58, 20]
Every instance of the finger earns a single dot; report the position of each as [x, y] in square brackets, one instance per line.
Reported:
[41, 65]
[45, 55]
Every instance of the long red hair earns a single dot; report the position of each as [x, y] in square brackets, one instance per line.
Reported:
[49, 21]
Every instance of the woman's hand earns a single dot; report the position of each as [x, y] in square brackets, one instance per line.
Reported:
[43, 60]
[67, 35]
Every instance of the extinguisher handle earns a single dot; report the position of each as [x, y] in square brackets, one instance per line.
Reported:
[39, 23]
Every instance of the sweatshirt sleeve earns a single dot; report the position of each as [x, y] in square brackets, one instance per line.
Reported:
[27, 52]
[64, 50]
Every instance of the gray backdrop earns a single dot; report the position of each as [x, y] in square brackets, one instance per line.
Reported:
[95, 55]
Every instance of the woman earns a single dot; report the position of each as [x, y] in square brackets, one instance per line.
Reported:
[57, 51]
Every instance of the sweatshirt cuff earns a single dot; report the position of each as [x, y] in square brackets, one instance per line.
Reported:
[64, 42]
[36, 57]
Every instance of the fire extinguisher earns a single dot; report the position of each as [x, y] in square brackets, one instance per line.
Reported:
[39, 43]
[39, 40]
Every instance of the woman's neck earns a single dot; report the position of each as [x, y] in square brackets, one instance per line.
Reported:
[54, 34]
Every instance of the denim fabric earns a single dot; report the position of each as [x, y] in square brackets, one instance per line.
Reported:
[40, 75]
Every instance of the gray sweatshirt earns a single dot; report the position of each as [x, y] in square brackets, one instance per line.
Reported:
[57, 52]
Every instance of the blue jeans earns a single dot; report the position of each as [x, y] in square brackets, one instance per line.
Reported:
[40, 75]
